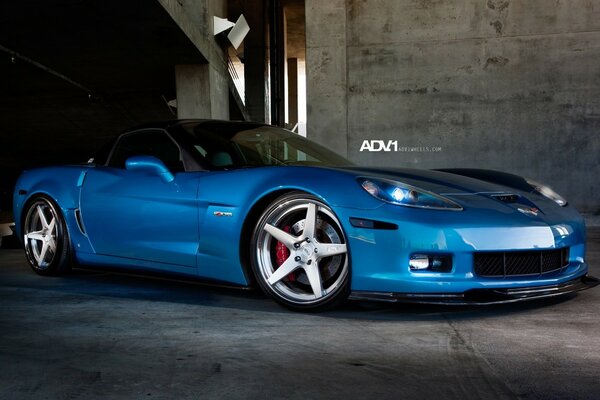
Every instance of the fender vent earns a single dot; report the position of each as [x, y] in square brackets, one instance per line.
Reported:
[79, 220]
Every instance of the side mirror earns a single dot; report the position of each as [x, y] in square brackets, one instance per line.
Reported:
[150, 165]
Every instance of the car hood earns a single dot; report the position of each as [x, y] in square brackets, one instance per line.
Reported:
[477, 196]
[443, 183]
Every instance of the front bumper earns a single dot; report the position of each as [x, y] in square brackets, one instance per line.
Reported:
[482, 296]
[380, 257]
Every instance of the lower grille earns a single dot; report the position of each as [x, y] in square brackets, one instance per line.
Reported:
[520, 263]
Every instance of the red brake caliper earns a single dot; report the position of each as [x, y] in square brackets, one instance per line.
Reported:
[283, 253]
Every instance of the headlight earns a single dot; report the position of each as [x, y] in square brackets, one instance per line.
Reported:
[405, 195]
[547, 192]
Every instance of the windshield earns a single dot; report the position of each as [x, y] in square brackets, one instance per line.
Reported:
[227, 145]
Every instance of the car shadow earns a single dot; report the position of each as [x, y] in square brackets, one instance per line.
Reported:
[108, 283]
[433, 312]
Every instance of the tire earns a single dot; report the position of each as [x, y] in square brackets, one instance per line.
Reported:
[46, 238]
[301, 265]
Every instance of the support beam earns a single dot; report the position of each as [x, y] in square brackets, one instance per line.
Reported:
[277, 61]
[255, 66]
[202, 90]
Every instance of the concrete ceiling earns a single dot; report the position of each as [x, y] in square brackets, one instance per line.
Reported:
[82, 72]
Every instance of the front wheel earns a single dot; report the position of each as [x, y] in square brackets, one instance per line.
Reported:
[300, 253]
[46, 239]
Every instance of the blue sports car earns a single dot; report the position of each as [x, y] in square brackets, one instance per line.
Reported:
[246, 203]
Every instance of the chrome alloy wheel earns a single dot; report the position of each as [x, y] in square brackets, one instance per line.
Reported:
[301, 251]
[41, 234]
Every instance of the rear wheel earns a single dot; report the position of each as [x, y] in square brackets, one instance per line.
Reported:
[300, 254]
[46, 239]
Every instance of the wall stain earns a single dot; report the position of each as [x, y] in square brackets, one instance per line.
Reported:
[533, 96]
[496, 61]
[379, 56]
[499, 5]
[467, 68]
[352, 10]
[427, 4]
[417, 91]
[325, 59]
[497, 26]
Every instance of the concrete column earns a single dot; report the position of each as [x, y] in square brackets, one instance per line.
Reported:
[202, 92]
[277, 45]
[292, 74]
[326, 78]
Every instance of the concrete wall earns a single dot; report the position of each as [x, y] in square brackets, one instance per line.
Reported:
[512, 85]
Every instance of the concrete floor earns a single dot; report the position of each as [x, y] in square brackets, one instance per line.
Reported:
[98, 334]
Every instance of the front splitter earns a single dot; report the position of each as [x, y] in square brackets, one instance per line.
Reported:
[482, 296]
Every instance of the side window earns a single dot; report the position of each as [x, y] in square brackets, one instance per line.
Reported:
[148, 143]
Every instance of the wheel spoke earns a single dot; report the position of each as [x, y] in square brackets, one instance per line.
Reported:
[43, 252]
[36, 255]
[310, 222]
[37, 235]
[42, 217]
[331, 249]
[314, 277]
[52, 244]
[290, 265]
[281, 236]
[51, 226]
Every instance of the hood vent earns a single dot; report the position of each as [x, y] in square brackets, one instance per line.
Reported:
[507, 198]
